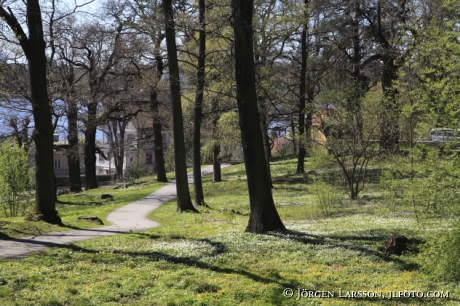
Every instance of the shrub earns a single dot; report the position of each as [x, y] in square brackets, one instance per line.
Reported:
[440, 255]
[327, 198]
[15, 179]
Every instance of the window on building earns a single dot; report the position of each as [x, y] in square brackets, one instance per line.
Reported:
[57, 163]
[148, 158]
[130, 139]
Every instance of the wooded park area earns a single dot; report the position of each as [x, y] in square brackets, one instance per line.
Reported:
[386, 72]
[332, 129]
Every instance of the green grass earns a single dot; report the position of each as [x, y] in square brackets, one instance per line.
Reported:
[208, 259]
[85, 203]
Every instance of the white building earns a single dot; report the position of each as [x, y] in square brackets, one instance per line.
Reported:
[138, 145]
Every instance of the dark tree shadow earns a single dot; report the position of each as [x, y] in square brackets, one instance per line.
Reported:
[334, 241]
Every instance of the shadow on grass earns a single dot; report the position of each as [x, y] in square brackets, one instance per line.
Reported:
[276, 296]
[94, 203]
[218, 249]
[333, 241]
[4, 236]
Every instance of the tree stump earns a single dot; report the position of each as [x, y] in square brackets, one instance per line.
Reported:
[107, 196]
[396, 244]
[91, 218]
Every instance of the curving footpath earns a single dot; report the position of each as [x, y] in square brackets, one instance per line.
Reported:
[129, 218]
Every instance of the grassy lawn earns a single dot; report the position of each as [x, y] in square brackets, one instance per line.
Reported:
[333, 246]
[85, 203]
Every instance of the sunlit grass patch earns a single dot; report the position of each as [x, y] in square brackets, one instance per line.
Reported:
[208, 259]
[85, 203]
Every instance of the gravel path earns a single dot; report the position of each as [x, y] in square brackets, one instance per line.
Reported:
[129, 218]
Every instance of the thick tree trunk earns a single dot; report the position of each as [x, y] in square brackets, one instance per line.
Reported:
[217, 173]
[263, 213]
[389, 117]
[266, 143]
[197, 181]
[390, 110]
[309, 117]
[358, 83]
[184, 202]
[158, 143]
[301, 105]
[73, 153]
[41, 108]
[157, 137]
[294, 143]
[118, 135]
[34, 49]
[90, 148]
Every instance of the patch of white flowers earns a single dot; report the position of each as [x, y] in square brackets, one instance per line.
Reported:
[351, 225]
[184, 248]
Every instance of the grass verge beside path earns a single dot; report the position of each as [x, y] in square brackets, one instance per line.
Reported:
[208, 259]
[85, 203]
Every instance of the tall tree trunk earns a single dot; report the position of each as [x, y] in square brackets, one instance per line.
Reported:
[157, 137]
[34, 48]
[302, 93]
[388, 125]
[41, 108]
[358, 82]
[391, 110]
[266, 143]
[263, 214]
[309, 109]
[90, 148]
[294, 143]
[117, 130]
[197, 181]
[261, 106]
[217, 173]
[119, 149]
[184, 202]
[73, 153]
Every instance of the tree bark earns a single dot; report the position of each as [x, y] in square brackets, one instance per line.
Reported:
[217, 173]
[391, 110]
[358, 82]
[266, 143]
[197, 181]
[118, 142]
[157, 137]
[263, 214]
[90, 148]
[302, 93]
[184, 202]
[34, 48]
[389, 127]
[73, 153]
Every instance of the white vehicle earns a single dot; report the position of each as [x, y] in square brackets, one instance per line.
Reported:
[443, 134]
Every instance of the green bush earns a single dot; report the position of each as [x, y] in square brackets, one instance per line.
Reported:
[15, 179]
[439, 257]
[327, 197]
[135, 172]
